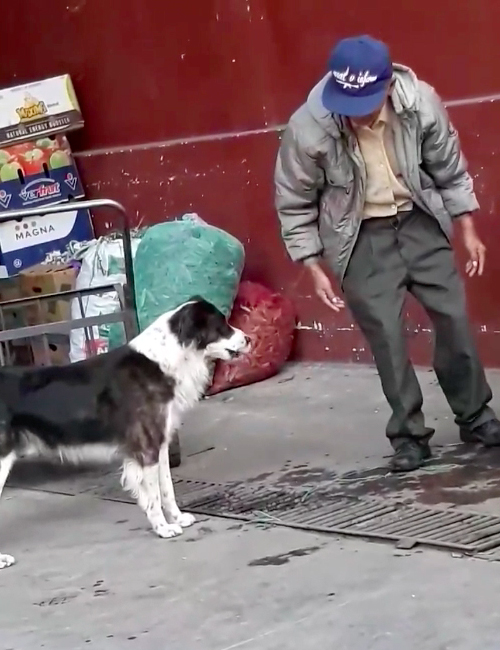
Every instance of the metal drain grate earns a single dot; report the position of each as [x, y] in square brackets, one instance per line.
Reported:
[447, 528]
[319, 510]
[188, 492]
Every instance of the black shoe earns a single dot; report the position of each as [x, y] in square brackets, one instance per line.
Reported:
[487, 434]
[410, 455]
[174, 451]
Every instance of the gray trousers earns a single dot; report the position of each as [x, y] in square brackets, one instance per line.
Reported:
[410, 252]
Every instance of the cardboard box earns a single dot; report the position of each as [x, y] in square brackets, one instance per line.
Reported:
[39, 280]
[55, 354]
[10, 290]
[38, 109]
[44, 279]
[37, 173]
[33, 241]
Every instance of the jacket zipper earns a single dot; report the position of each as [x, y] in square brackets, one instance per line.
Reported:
[360, 168]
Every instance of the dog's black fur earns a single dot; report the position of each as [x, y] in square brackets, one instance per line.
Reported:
[92, 401]
[98, 399]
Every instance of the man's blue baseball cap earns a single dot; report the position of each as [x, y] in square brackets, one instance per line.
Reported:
[361, 70]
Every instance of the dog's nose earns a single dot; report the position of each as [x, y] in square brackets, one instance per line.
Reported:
[248, 340]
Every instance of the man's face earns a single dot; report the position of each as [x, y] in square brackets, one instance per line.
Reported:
[369, 120]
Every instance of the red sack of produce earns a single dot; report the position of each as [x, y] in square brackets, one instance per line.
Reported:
[269, 320]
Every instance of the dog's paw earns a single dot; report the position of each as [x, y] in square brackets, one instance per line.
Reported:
[185, 519]
[6, 561]
[166, 531]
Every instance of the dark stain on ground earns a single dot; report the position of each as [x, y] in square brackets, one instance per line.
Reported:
[200, 533]
[456, 475]
[62, 599]
[304, 475]
[283, 558]
[99, 590]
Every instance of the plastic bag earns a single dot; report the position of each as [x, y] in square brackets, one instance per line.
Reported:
[269, 320]
[102, 262]
[179, 259]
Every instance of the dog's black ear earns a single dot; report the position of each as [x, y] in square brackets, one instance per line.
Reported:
[190, 323]
[182, 323]
[198, 323]
[197, 298]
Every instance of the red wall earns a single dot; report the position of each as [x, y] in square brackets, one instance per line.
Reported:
[183, 101]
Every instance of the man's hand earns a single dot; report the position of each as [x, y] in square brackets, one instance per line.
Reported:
[323, 287]
[474, 246]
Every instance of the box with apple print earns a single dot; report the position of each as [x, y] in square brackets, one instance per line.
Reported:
[37, 173]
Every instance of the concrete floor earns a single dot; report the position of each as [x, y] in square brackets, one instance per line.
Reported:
[322, 415]
[89, 573]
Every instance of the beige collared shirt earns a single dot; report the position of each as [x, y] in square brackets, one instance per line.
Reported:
[386, 192]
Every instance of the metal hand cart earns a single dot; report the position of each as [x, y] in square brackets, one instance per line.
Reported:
[127, 313]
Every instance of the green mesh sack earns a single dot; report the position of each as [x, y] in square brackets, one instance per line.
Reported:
[179, 259]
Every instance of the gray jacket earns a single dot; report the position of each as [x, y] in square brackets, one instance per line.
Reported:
[320, 175]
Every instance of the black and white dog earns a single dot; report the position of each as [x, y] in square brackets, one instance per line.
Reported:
[126, 403]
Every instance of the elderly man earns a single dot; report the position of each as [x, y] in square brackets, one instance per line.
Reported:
[370, 179]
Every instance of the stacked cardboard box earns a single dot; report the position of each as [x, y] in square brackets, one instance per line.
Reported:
[37, 169]
[43, 279]
[38, 280]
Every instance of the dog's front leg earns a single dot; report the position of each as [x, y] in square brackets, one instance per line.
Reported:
[5, 466]
[144, 484]
[172, 511]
